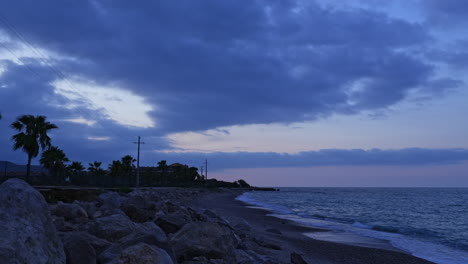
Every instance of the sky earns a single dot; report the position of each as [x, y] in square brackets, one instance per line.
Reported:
[277, 92]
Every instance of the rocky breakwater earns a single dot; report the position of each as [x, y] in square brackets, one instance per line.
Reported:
[150, 226]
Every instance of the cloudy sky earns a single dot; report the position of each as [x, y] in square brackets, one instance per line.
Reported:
[279, 92]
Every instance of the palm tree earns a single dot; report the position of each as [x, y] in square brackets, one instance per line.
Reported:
[32, 136]
[76, 167]
[54, 160]
[162, 166]
[95, 168]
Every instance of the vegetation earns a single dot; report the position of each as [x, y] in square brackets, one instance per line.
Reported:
[54, 160]
[32, 136]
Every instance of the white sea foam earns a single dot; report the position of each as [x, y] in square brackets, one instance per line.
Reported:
[427, 250]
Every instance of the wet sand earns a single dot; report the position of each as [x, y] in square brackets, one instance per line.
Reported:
[291, 236]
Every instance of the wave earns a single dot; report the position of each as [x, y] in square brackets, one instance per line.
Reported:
[398, 237]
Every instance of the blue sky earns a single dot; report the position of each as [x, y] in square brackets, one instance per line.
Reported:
[363, 86]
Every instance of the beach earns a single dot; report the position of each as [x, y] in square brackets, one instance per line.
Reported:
[291, 238]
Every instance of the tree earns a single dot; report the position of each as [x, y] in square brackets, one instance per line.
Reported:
[127, 164]
[115, 168]
[123, 167]
[95, 168]
[76, 167]
[162, 167]
[54, 160]
[32, 136]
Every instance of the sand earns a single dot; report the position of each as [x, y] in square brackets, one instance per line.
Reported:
[291, 236]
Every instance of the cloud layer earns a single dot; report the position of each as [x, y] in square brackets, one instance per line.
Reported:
[203, 65]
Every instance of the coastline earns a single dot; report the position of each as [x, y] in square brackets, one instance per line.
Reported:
[292, 237]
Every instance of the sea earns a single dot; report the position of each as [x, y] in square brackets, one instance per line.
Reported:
[430, 223]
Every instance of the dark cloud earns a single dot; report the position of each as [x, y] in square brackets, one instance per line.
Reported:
[211, 63]
[327, 157]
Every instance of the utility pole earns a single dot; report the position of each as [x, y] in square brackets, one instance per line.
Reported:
[138, 162]
[206, 169]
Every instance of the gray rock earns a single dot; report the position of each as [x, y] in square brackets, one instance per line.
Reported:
[297, 259]
[110, 200]
[78, 249]
[142, 253]
[112, 228]
[70, 212]
[173, 222]
[137, 209]
[204, 239]
[97, 243]
[27, 232]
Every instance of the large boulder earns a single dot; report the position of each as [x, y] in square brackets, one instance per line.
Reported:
[78, 249]
[147, 233]
[112, 228]
[70, 212]
[137, 208]
[173, 222]
[142, 253]
[27, 234]
[204, 239]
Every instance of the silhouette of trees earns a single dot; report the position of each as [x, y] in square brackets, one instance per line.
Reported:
[54, 160]
[32, 136]
[76, 167]
[123, 167]
[95, 169]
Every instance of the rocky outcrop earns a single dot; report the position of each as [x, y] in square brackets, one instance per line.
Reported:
[112, 228]
[27, 232]
[142, 253]
[78, 249]
[70, 212]
[204, 239]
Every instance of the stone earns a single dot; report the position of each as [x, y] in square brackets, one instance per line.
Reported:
[70, 212]
[112, 228]
[137, 209]
[27, 232]
[297, 259]
[173, 222]
[110, 199]
[204, 239]
[142, 253]
[148, 233]
[78, 249]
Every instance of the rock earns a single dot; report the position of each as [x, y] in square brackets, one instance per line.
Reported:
[148, 233]
[137, 209]
[297, 259]
[110, 200]
[142, 254]
[210, 214]
[78, 250]
[71, 212]
[112, 228]
[97, 243]
[172, 223]
[204, 239]
[90, 208]
[109, 205]
[274, 231]
[242, 226]
[63, 226]
[27, 232]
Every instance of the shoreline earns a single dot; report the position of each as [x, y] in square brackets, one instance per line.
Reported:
[291, 237]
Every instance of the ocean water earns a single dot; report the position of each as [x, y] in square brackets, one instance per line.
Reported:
[431, 223]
